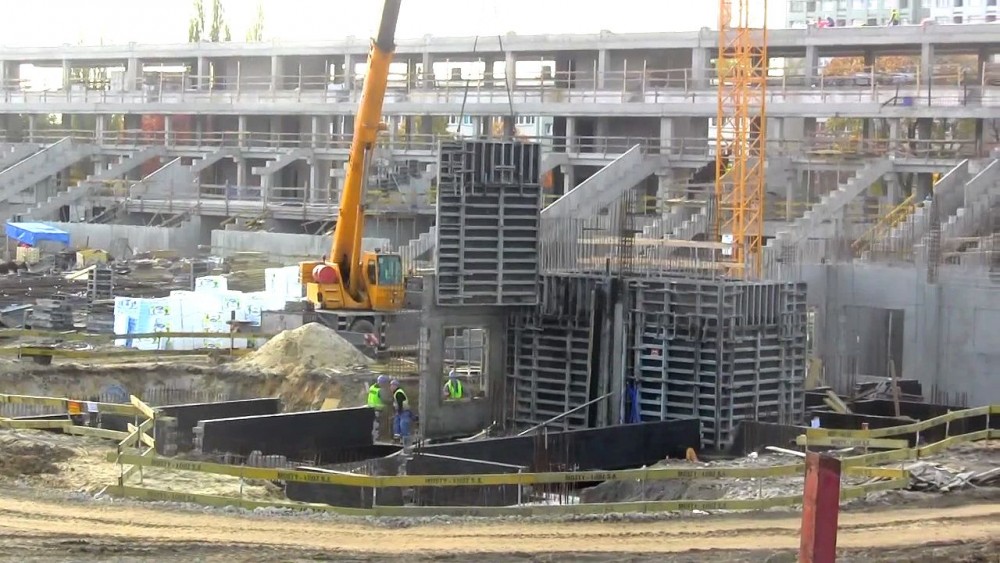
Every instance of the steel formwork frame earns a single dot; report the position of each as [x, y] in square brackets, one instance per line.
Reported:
[740, 134]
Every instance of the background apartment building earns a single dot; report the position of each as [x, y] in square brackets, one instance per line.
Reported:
[963, 11]
[858, 12]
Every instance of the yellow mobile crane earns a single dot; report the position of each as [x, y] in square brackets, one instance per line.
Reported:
[353, 290]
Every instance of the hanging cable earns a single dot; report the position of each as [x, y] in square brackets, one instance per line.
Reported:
[465, 95]
[508, 81]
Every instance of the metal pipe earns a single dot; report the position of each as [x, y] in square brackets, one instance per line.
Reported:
[558, 416]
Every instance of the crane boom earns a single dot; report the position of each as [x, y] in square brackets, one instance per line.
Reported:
[360, 282]
[346, 247]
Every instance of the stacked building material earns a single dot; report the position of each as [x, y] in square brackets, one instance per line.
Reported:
[53, 313]
[489, 199]
[101, 283]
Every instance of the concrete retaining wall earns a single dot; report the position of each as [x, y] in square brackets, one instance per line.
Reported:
[183, 239]
[189, 415]
[326, 436]
[949, 333]
[279, 245]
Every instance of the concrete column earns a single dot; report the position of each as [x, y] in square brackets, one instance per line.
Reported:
[277, 73]
[810, 65]
[202, 79]
[168, 122]
[313, 180]
[571, 140]
[894, 124]
[427, 70]
[241, 173]
[509, 128]
[666, 135]
[569, 178]
[4, 76]
[132, 71]
[31, 127]
[349, 61]
[411, 73]
[488, 71]
[241, 129]
[65, 74]
[99, 127]
[603, 66]
[427, 125]
[510, 69]
[926, 63]
[983, 58]
[314, 131]
[700, 58]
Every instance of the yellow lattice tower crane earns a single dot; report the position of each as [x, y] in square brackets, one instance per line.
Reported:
[740, 133]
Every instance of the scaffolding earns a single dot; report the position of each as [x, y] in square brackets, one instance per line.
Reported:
[740, 135]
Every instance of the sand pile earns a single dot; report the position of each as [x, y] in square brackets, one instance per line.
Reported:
[309, 347]
[20, 455]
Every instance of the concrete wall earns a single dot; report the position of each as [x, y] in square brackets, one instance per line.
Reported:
[184, 239]
[444, 419]
[951, 329]
[292, 246]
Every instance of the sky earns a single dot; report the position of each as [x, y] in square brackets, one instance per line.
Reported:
[61, 22]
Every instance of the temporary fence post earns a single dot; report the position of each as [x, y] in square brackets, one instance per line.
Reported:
[820, 508]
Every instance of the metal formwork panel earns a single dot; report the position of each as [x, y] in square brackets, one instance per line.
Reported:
[489, 200]
[723, 351]
[549, 370]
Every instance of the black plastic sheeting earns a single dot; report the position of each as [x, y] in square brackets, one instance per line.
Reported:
[189, 415]
[329, 436]
[357, 497]
[610, 448]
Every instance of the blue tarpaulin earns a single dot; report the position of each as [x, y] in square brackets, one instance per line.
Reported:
[34, 233]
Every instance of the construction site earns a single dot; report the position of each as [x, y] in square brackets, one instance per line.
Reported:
[523, 298]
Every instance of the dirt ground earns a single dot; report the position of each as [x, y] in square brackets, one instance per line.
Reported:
[36, 525]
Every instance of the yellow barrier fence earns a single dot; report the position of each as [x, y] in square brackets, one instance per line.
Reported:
[136, 450]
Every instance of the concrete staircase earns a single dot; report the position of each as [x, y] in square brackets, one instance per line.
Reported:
[980, 194]
[86, 187]
[418, 248]
[605, 187]
[283, 160]
[14, 153]
[208, 160]
[948, 192]
[831, 205]
[42, 165]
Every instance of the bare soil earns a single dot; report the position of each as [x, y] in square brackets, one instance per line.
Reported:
[35, 525]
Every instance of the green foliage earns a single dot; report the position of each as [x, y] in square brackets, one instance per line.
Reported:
[196, 26]
[218, 30]
[256, 32]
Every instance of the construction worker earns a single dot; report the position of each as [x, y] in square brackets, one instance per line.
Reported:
[893, 18]
[375, 393]
[376, 403]
[403, 417]
[453, 390]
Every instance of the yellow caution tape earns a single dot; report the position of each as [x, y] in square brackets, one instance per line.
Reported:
[103, 408]
[828, 441]
[493, 511]
[903, 429]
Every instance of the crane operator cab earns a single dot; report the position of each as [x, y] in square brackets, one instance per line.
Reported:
[382, 289]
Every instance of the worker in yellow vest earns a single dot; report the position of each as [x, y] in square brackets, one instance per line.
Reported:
[403, 417]
[376, 403]
[453, 390]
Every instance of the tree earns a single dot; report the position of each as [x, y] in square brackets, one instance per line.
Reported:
[217, 31]
[256, 32]
[196, 26]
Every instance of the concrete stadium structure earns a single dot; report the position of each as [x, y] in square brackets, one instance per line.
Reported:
[892, 231]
